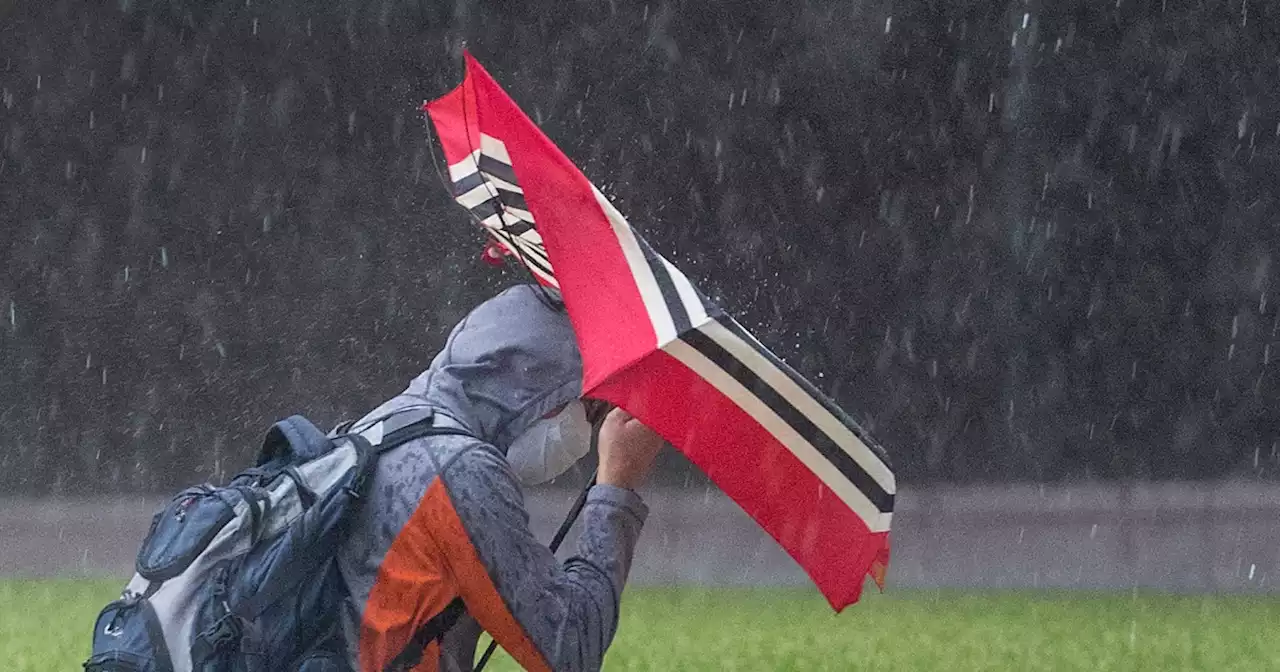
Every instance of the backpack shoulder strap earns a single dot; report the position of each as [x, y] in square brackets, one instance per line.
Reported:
[430, 631]
[400, 427]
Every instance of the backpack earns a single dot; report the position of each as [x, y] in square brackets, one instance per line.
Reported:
[242, 578]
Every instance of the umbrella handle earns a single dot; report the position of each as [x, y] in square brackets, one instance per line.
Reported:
[561, 533]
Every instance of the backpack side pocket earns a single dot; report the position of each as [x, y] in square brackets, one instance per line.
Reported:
[127, 638]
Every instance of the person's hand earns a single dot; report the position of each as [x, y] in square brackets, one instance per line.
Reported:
[627, 450]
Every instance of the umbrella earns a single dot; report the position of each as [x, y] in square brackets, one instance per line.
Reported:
[654, 345]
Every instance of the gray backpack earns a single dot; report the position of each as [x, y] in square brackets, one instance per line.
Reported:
[241, 577]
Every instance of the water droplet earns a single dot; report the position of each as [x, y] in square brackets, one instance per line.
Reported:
[888, 24]
[164, 257]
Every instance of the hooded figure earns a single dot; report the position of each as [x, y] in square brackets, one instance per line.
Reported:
[444, 516]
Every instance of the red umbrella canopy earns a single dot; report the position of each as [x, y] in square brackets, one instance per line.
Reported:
[656, 346]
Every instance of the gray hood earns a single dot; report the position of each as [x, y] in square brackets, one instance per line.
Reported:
[510, 361]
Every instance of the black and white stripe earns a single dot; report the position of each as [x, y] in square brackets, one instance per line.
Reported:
[672, 303]
[485, 184]
[813, 428]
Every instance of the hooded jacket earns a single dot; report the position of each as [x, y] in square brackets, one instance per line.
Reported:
[445, 516]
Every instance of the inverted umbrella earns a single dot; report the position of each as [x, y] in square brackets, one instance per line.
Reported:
[654, 345]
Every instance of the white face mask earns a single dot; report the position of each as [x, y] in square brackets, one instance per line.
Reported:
[551, 445]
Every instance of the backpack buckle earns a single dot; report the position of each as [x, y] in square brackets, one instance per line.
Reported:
[224, 632]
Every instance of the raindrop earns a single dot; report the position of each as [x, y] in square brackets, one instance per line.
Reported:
[1252, 568]
[1235, 326]
[160, 91]
[38, 82]
[969, 216]
[1021, 531]
[126, 274]
[13, 316]
[1257, 451]
[104, 375]
[1025, 18]
[255, 26]
[888, 24]
[1093, 532]
[144, 155]
[164, 257]
[88, 361]
[222, 350]
[91, 120]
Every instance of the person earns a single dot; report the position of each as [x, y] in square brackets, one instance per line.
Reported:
[444, 516]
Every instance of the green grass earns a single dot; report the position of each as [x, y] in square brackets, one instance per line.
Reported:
[44, 625]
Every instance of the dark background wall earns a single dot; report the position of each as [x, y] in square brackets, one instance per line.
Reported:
[1019, 240]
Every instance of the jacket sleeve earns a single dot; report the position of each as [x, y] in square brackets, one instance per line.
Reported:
[546, 615]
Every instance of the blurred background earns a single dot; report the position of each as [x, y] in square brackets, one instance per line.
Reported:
[1028, 245]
